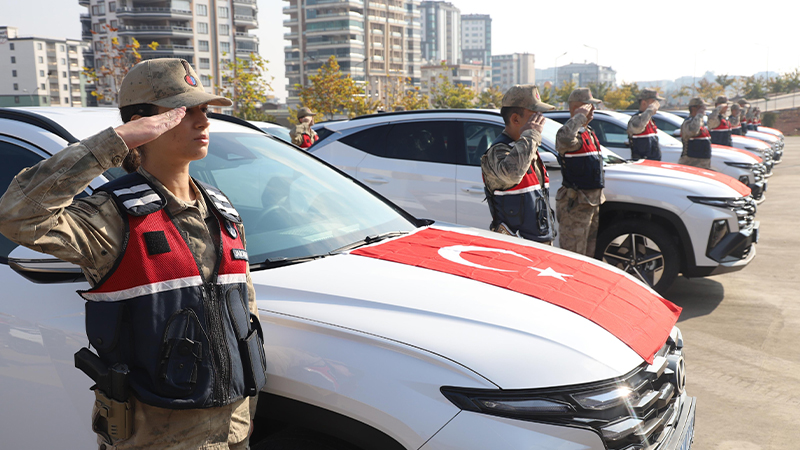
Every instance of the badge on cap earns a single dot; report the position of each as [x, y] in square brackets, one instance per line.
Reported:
[190, 80]
[536, 94]
[231, 228]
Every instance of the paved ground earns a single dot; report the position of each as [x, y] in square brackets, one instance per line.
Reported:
[742, 332]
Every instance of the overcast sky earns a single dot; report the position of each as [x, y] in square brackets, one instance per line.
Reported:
[641, 40]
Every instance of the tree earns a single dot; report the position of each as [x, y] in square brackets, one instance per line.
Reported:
[793, 81]
[777, 84]
[490, 98]
[755, 87]
[409, 97]
[361, 104]
[708, 90]
[619, 98]
[725, 81]
[547, 95]
[446, 94]
[329, 92]
[739, 86]
[112, 62]
[633, 90]
[245, 85]
[562, 93]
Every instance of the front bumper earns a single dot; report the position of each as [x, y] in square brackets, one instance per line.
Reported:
[735, 251]
[757, 190]
[683, 435]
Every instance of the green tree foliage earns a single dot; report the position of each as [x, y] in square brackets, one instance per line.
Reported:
[562, 93]
[599, 90]
[755, 87]
[406, 96]
[329, 92]
[619, 98]
[361, 104]
[492, 97]
[708, 90]
[548, 95]
[448, 95]
[725, 82]
[245, 84]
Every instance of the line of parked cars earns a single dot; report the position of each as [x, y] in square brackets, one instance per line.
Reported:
[367, 353]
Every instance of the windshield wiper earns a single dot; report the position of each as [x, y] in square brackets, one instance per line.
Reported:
[280, 261]
[369, 240]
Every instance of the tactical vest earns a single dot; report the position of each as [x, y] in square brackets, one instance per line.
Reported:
[187, 341]
[645, 144]
[721, 135]
[524, 208]
[736, 129]
[700, 145]
[583, 168]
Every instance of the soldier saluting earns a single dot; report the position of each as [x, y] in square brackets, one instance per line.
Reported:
[515, 179]
[695, 136]
[718, 123]
[642, 131]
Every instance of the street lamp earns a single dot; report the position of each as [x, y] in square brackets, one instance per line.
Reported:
[596, 62]
[555, 64]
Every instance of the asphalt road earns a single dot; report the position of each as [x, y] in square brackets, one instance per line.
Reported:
[742, 332]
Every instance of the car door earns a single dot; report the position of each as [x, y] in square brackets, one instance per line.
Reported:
[471, 207]
[41, 327]
[413, 164]
[612, 136]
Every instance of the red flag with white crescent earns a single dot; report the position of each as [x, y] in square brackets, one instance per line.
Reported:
[616, 302]
[733, 183]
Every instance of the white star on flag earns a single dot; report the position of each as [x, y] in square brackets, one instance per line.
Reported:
[549, 272]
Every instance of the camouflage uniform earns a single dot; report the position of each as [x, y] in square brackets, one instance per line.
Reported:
[303, 135]
[39, 212]
[577, 210]
[503, 166]
[691, 127]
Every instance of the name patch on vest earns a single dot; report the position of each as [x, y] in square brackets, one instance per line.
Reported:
[156, 242]
[239, 253]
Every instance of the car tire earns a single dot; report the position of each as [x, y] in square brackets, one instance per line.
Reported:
[655, 259]
[300, 440]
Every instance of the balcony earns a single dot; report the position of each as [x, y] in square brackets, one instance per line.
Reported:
[153, 13]
[155, 31]
[245, 37]
[84, 3]
[245, 2]
[245, 21]
[167, 50]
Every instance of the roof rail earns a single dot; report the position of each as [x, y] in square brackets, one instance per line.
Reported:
[426, 111]
[236, 120]
[37, 120]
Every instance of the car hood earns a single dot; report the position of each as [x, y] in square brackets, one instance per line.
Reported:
[513, 340]
[750, 142]
[690, 180]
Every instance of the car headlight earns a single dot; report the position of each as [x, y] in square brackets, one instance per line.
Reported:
[741, 165]
[628, 412]
[744, 179]
[719, 229]
[743, 207]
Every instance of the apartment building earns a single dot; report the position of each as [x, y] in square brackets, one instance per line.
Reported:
[585, 73]
[207, 33]
[476, 39]
[40, 71]
[441, 32]
[476, 77]
[513, 69]
[376, 42]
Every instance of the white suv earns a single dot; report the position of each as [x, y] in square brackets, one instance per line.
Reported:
[657, 221]
[456, 348]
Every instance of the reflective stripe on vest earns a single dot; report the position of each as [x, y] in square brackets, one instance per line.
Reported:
[645, 144]
[721, 135]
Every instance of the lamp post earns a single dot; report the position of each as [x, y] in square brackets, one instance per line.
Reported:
[596, 63]
[555, 65]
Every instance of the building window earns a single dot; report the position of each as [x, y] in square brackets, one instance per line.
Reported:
[225, 47]
[63, 61]
[113, 24]
[13, 60]
[202, 10]
[202, 28]
[99, 9]
[202, 45]
[66, 88]
[41, 60]
[224, 30]
[61, 48]
[204, 63]
[42, 87]
[64, 74]
[16, 99]
[205, 80]
[223, 11]
[14, 73]
[38, 45]
[66, 100]
[41, 73]
[11, 46]
[16, 86]
[112, 6]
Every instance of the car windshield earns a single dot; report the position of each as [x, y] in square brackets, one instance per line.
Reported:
[291, 204]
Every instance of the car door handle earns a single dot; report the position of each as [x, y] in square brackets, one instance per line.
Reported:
[376, 180]
[473, 190]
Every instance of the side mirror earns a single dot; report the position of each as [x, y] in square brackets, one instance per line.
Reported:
[43, 268]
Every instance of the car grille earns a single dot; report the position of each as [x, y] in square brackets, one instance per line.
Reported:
[745, 209]
[759, 172]
[651, 413]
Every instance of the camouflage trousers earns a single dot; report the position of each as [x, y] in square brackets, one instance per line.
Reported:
[578, 214]
[221, 428]
[703, 163]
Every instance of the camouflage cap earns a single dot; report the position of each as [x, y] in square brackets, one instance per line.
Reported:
[304, 112]
[527, 97]
[743, 103]
[647, 94]
[697, 101]
[735, 107]
[721, 100]
[583, 95]
[167, 82]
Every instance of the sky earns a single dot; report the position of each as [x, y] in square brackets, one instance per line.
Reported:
[641, 40]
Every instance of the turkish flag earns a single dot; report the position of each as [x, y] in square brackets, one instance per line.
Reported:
[624, 307]
[735, 184]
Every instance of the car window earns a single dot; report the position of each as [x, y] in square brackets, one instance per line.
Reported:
[15, 158]
[665, 126]
[609, 133]
[291, 204]
[370, 140]
[429, 141]
[478, 137]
